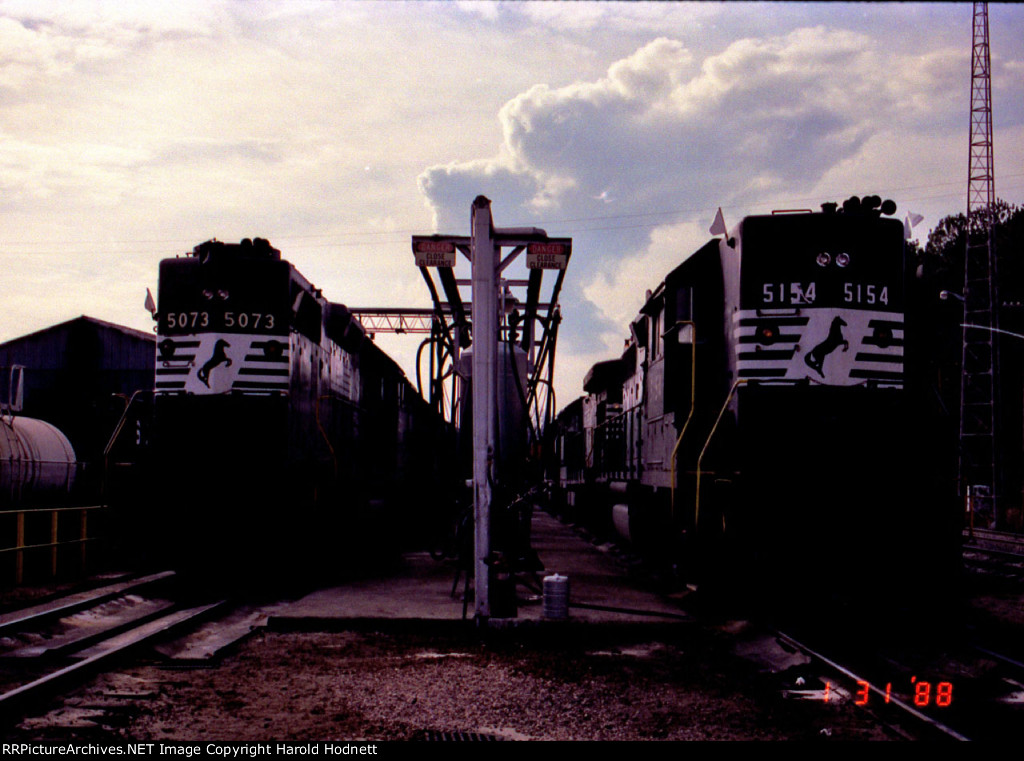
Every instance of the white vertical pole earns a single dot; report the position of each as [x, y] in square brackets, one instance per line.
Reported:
[485, 353]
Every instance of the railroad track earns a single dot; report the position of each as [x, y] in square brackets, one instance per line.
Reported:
[995, 553]
[1003, 541]
[964, 693]
[46, 647]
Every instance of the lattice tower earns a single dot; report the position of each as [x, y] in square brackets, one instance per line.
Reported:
[979, 474]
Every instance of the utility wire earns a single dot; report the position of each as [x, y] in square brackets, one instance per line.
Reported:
[172, 246]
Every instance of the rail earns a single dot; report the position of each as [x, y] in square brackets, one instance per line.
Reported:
[20, 548]
[892, 701]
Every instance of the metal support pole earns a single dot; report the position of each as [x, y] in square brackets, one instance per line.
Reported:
[485, 355]
[489, 292]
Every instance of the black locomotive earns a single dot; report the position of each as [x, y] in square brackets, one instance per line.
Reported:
[762, 423]
[283, 438]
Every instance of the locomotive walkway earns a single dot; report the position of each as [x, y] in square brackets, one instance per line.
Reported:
[421, 590]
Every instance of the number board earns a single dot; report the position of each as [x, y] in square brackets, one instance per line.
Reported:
[817, 260]
[253, 298]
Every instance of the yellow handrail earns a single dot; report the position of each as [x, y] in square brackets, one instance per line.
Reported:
[20, 548]
[714, 429]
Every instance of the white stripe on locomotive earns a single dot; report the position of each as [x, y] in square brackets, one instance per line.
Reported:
[216, 363]
[863, 346]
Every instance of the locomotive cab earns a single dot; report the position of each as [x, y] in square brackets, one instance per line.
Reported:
[767, 435]
[821, 438]
[283, 440]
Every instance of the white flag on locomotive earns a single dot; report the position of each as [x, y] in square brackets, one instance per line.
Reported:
[911, 221]
[718, 226]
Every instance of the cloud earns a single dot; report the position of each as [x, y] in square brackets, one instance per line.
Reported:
[136, 130]
[761, 116]
[452, 187]
[619, 290]
[760, 119]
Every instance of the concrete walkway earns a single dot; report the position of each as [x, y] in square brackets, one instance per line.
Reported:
[421, 589]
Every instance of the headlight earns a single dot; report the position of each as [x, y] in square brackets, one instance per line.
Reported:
[767, 334]
[166, 348]
[883, 336]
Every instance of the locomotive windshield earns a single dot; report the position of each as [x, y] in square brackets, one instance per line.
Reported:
[822, 260]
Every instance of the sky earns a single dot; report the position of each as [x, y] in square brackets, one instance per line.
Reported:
[131, 132]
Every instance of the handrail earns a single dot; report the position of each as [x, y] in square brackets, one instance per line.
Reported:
[689, 416]
[327, 440]
[124, 418]
[703, 451]
[20, 548]
[129, 401]
[41, 510]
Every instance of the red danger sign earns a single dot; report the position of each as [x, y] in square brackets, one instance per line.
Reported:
[547, 256]
[435, 247]
[434, 253]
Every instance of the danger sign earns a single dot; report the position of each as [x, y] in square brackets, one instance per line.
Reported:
[547, 256]
[434, 253]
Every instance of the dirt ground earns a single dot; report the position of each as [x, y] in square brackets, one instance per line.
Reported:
[681, 681]
[374, 686]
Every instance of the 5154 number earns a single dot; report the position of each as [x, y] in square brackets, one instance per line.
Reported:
[859, 293]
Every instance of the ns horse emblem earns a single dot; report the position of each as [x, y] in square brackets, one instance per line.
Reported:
[219, 357]
[815, 358]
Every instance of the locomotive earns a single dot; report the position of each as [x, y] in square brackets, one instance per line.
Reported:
[283, 439]
[762, 425]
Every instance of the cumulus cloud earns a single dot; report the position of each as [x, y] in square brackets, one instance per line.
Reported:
[620, 289]
[452, 187]
[134, 130]
[762, 118]
[762, 115]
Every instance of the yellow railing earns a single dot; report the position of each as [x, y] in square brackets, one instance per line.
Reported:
[20, 548]
[707, 443]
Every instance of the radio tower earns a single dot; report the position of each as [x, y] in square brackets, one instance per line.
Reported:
[979, 477]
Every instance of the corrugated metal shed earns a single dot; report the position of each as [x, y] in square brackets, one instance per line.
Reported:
[74, 372]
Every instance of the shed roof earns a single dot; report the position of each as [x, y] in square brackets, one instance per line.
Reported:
[67, 325]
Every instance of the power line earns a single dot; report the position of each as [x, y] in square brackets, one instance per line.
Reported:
[375, 237]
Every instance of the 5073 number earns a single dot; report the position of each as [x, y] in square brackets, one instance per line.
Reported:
[254, 320]
[198, 320]
[188, 320]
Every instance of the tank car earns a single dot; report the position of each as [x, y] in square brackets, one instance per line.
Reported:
[283, 439]
[37, 463]
[761, 422]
